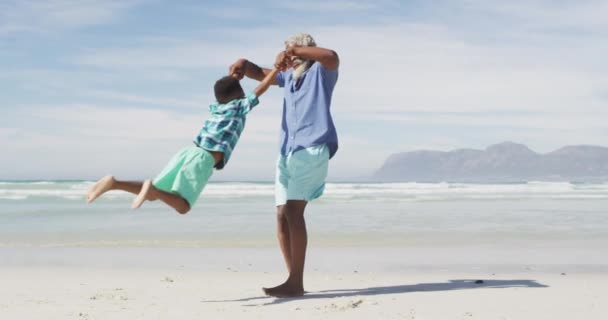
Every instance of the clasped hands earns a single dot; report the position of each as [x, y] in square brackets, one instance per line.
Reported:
[284, 59]
[283, 62]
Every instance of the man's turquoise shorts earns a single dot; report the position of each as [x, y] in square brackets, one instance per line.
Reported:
[301, 175]
[187, 173]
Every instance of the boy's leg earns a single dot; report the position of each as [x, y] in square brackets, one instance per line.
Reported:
[109, 183]
[150, 193]
[181, 181]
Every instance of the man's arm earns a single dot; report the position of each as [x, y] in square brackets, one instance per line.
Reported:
[328, 58]
[269, 79]
[244, 67]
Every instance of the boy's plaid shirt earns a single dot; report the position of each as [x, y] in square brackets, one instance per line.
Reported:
[221, 132]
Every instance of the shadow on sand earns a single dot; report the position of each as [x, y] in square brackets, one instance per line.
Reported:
[461, 284]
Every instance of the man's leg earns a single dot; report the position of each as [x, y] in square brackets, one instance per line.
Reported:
[293, 212]
[283, 235]
[281, 183]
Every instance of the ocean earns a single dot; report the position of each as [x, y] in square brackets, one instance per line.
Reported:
[411, 223]
[54, 213]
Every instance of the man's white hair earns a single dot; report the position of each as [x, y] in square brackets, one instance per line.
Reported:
[301, 39]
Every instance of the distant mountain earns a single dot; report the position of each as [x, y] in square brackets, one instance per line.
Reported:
[503, 162]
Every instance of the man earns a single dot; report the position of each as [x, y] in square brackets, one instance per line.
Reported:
[308, 140]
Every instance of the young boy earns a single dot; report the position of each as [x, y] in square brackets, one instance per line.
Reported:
[184, 177]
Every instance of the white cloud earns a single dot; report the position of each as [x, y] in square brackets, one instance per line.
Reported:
[546, 14]
[178, 53]
[146, 100]
[327, 6]
[45, 16]
[125, 124]
[540, 79]
[417, 68]
[92, 140]
[407, 67]
[548, 121]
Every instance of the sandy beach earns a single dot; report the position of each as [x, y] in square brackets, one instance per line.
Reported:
[175, 294]
[118, 284]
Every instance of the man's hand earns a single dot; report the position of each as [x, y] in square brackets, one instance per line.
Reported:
[290, 51]
[282, 62]
[237, 69]
[328, 58]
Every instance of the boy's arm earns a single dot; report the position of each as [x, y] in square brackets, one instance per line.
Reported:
[251, 100]
[268, 80]
[328, 58]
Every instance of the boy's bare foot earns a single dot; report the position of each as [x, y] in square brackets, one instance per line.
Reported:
[144, 194]
[100, 187]
[284, 291]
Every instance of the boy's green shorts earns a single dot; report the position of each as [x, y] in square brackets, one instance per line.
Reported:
[187, 173]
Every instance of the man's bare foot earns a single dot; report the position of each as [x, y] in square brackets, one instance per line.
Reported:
[144, 194]
[100, 187]
[284, 291]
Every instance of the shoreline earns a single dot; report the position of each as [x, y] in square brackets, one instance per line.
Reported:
[319, 259]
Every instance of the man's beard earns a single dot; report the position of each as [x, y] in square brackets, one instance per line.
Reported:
[301, 68]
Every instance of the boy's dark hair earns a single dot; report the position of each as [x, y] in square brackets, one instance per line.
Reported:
[227, 89]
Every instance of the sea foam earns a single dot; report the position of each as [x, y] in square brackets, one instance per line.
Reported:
[75, 190]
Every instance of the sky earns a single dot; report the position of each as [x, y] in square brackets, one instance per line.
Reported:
[95, 87]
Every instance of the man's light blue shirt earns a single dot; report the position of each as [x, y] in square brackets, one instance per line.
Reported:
[307, 118]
